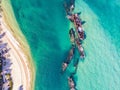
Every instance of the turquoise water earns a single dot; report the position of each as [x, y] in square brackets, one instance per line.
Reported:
[45, 27]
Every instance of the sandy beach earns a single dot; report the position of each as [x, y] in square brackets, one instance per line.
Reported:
[22, 66]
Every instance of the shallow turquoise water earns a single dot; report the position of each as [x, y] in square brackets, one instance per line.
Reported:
[45, 27]
[100, 71]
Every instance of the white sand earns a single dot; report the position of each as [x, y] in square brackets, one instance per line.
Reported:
[20, 71]
[23, 70]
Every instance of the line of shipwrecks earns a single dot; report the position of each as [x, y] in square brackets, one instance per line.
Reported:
[77, 36]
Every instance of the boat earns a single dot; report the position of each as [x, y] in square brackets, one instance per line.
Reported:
[69, 6]
[72, 36]
[72, 7]
[71, 53]
[68, 60]
[78, 24]
[64, 66]
[80, 49]
[70, 17]
[76, 62]
[71, 82]
[81, 34]
[66, 7]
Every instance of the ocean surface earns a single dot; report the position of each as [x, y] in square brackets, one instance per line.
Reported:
[45, 27]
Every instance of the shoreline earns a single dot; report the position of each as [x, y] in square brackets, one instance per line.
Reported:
[17, 42]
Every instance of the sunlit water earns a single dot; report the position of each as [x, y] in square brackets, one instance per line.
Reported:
[45, 27]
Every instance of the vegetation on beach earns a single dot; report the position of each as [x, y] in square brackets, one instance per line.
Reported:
[6, 81]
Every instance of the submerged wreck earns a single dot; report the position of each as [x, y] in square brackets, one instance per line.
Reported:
[68, 60]
[76, 37]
